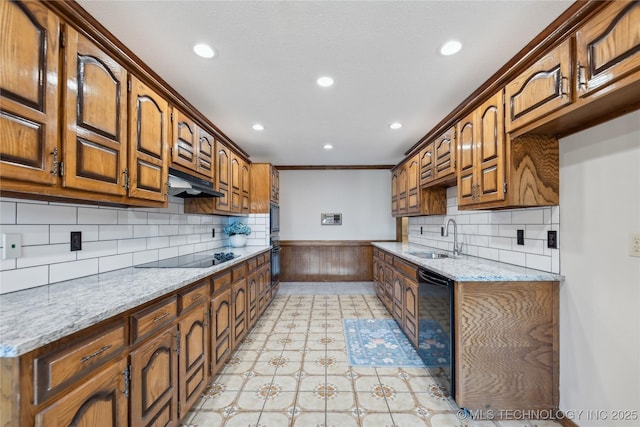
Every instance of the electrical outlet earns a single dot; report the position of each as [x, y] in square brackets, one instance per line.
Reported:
[11, 246]
[552, 239]
[634, 244]
[442, 231]
[76, 240]
[420, 229]
[520, 237]
[213, 232]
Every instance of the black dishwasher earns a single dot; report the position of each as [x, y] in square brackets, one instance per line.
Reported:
[436, 327]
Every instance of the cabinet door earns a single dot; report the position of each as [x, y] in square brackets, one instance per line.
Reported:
[236, 184]
[99, 401]
[244, 188]
[410, 310]
[184, 150]
[466, 160]
[490, 148]
[194, 360]
[394, 193]
[426, 164]
[252, 299]
[402, 190]
[397, 297]
[154, 381]
[608, 47]
[29, 100]
[223, 176]
[206, 149]
[95, 135]
[413, 185]
[444, 149]
[275, 185]
[542, 89]
[148, 143]
[220, 330]
[239, 311]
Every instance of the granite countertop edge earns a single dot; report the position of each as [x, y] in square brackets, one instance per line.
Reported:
[32, 318]
[466, 268]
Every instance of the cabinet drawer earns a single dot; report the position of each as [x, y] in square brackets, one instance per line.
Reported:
[61, 367]
[405, 268]
[221, 281]
[388, 258]
[193, 296]
[239, 271]
[252, 264]
[153, 318]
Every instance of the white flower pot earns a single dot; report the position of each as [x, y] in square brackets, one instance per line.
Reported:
[238, 240]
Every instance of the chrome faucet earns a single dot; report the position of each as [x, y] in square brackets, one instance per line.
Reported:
[457, 249]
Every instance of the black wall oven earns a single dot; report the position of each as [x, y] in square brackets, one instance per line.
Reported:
[275, 263]
[274, 218]
[436, 325]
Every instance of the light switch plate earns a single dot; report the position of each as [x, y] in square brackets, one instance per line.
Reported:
[11, 246]
[634, 244]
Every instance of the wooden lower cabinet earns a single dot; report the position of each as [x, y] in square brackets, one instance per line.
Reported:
[238, 311]
[252, 299]
[220, 329]
[194, 356]
[100, 401]
[505, 340]
[154, 381]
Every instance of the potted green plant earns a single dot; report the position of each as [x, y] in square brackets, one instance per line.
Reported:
[238, 233]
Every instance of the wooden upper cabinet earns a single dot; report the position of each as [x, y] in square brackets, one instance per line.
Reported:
[95, 132]
[542, 89]
[245, 185]
[466, 159]
[184, 145]
[490, 150]
[223, 176]
[148, 143]
[426, 164]
[481, 145]
[275, 185]
[29, 148]
[261, 188]
[444, 150]
[413, 185]
[192, 147]
[608, 47]
[236, 183]
[402, 190]
[394, 192]
[206, 154]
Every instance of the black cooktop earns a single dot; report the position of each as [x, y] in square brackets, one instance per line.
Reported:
[196, 260]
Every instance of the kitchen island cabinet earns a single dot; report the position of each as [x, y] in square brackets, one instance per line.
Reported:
[505, 336]
[136, 353]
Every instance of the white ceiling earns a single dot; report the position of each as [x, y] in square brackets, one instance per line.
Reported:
[383, 56]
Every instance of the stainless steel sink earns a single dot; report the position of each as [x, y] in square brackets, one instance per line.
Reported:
[429, 255]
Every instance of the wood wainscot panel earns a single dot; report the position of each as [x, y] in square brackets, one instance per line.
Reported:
[326, 260]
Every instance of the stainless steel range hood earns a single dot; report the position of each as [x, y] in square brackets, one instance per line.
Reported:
[188, 186]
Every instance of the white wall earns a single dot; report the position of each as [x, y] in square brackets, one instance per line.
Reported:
[600, 298]
[112, 238]
[363, 197]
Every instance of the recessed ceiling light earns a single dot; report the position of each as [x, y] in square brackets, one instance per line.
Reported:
[257, 126]
[395, 125]
[327, 147]
[451, 47]
[325, 81]
[204, 50]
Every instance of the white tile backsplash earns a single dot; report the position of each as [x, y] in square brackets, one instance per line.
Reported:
[492, 234]
[112, 238]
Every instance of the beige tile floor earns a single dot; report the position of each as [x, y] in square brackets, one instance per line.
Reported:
[292, 370]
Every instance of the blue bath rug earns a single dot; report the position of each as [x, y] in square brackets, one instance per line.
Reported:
[381, 343]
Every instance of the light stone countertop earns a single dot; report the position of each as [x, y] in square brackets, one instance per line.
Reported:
[34, 317]
[465, 268]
